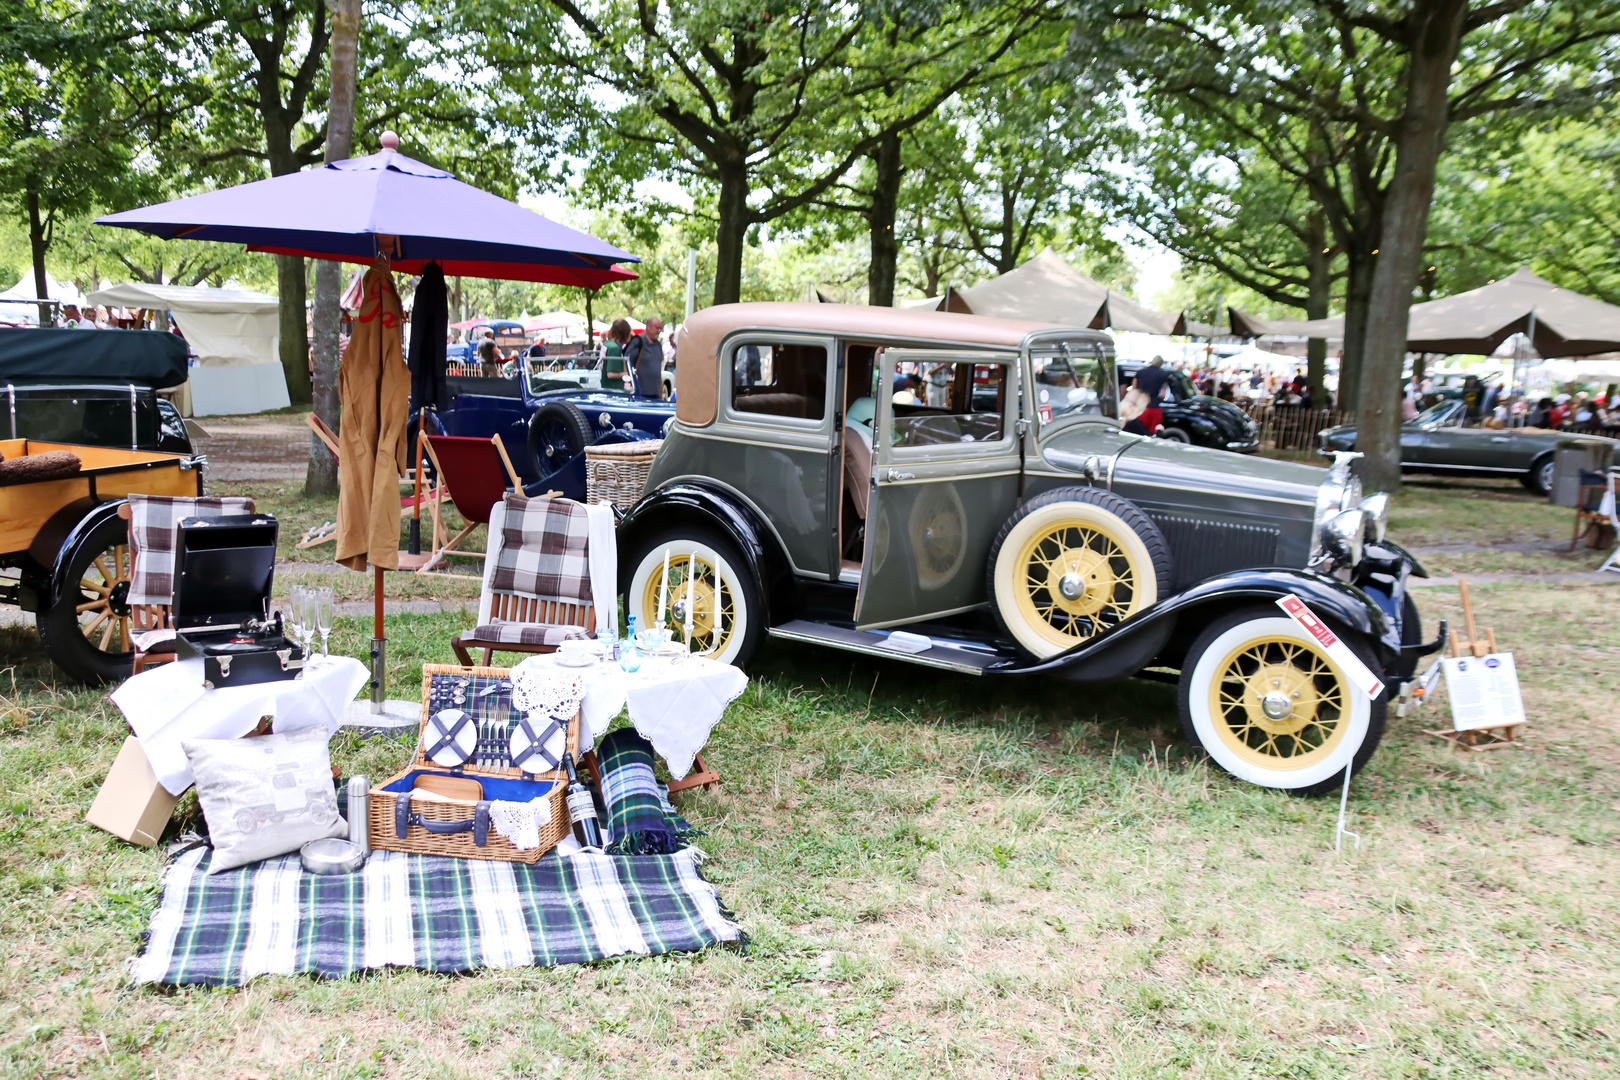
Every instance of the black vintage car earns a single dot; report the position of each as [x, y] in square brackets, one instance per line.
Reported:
[1198, 419]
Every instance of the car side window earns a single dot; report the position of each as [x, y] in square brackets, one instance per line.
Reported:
[779, 379]
[958, 401]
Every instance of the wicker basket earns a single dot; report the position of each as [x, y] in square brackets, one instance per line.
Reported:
[419, 839]
[617, 473]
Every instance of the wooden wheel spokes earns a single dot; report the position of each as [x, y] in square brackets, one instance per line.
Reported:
[100, 619]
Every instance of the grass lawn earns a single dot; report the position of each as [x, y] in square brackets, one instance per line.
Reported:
[942, 876]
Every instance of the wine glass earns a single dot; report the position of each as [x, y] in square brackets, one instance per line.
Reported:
[323, 617]
[306, 617]
[295, 612]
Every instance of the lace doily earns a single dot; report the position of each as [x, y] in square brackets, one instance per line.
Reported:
[520, 822]
[547, 693]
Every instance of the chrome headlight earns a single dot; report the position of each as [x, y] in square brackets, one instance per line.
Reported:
[1376, 507]
[1344, 535]
[1341, 491]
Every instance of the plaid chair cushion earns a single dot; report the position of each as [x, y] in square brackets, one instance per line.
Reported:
[514, 633]
[542, 550]
[154, 522]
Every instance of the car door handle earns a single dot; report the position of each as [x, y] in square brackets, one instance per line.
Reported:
[1500, 438]
[896, 475]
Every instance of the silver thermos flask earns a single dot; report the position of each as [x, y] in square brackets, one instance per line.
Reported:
[359, 791]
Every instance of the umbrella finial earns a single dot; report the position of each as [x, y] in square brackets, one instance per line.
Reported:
[389, 141]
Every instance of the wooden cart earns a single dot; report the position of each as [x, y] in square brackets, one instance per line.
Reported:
[64, 550]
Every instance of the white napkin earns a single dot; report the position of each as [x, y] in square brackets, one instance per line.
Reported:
[603, 556]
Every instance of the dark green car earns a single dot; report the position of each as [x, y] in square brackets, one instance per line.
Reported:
[1435, 441]
[996, 522]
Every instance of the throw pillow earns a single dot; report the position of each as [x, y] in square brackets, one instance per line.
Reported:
[264, 796]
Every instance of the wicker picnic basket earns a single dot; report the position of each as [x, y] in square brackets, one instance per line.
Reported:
[617, 473]
[434, 827]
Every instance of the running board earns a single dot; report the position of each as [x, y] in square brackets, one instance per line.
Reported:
[869, 643]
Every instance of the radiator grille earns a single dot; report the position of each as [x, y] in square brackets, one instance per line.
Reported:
[1203, 548]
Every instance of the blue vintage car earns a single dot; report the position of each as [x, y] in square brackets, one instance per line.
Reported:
[544, 424]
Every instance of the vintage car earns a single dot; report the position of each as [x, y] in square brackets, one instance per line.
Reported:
[1191, 417]
[1437, 441]
[64, 550]
[545, 423]
[1013, 533]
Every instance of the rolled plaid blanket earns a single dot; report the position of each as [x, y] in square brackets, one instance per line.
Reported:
[639, 815]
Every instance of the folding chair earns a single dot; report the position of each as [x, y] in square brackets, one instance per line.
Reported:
[154, 529]
[324, 535]
[474, 472]
[537, 582]
[1607, 507]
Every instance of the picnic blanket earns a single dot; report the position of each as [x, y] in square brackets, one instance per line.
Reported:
[424, 911]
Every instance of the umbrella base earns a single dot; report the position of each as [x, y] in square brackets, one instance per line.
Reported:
[397, 716]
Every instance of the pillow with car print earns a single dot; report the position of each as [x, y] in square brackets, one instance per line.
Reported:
[264, 796]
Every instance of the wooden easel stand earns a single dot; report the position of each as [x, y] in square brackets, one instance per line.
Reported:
[1502, 736]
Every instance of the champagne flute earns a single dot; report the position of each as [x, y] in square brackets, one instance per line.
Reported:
[295, 612]
[323, 618]
[307, 619]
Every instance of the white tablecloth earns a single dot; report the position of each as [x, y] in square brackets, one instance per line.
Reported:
[168, 703]
[674, 702]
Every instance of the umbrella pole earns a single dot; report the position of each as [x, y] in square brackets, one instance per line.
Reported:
[414, 544]
[379, 645]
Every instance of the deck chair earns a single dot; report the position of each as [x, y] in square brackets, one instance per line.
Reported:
[154, 530]
[537, 583]
[327, 534]
[474, 473]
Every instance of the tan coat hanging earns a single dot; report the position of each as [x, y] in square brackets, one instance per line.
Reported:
[375, 386]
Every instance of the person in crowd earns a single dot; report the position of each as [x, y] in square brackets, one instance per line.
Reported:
[1150, 380]
[645, 357]
[938, 377]
[537, 349]
[613, 367]
[489, 357]
[908, 388]
[71, 317]
[1559, 412]
[1541, 415]
[1583, 415]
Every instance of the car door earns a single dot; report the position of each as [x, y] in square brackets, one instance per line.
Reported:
[1437, 443]
[944, 479]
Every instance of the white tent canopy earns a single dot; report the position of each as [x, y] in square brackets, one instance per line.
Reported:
[64, 292]
[236, 334]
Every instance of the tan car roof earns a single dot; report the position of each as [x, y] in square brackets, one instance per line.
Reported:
[699, 353]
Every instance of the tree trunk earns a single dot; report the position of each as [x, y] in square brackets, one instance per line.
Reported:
[1319, 285]
[1357, 287]
[731, 233]
[37, 245]
[321, 476]
[294, 326]
[880, 219]
[1420, 137]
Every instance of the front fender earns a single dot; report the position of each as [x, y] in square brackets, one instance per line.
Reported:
[695, 504]
[77, 537]
[1120, 652]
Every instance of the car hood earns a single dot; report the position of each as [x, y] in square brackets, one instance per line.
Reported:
[1162, 463]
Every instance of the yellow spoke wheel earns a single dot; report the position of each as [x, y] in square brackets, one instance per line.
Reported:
[714, 603]
[1278, 703]
[1266, 702]
[1072, 565]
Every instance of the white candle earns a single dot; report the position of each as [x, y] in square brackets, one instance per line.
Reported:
[663, 588]
[691, 573]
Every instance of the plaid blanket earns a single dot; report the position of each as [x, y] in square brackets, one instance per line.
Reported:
[421, 911]
[640, 819]
[154, 528]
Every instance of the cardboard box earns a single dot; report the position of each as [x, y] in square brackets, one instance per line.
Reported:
[131, 804]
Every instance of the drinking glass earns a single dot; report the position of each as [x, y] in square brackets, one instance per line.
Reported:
[629, 656]
[295, 612]
[323, 617]
[307, 618]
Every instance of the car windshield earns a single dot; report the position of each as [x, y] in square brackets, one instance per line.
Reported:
[1073, 381]
[1435, 414]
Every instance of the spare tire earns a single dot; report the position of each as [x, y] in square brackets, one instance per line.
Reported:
[557, 432]
[1074, 563]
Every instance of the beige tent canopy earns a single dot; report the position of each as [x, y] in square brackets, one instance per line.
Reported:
[236, 334]
[1561, 322]
[1047, 289]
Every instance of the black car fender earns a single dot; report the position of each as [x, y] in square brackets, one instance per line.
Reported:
[707, 507]
[1162, 632]
[89, 519]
